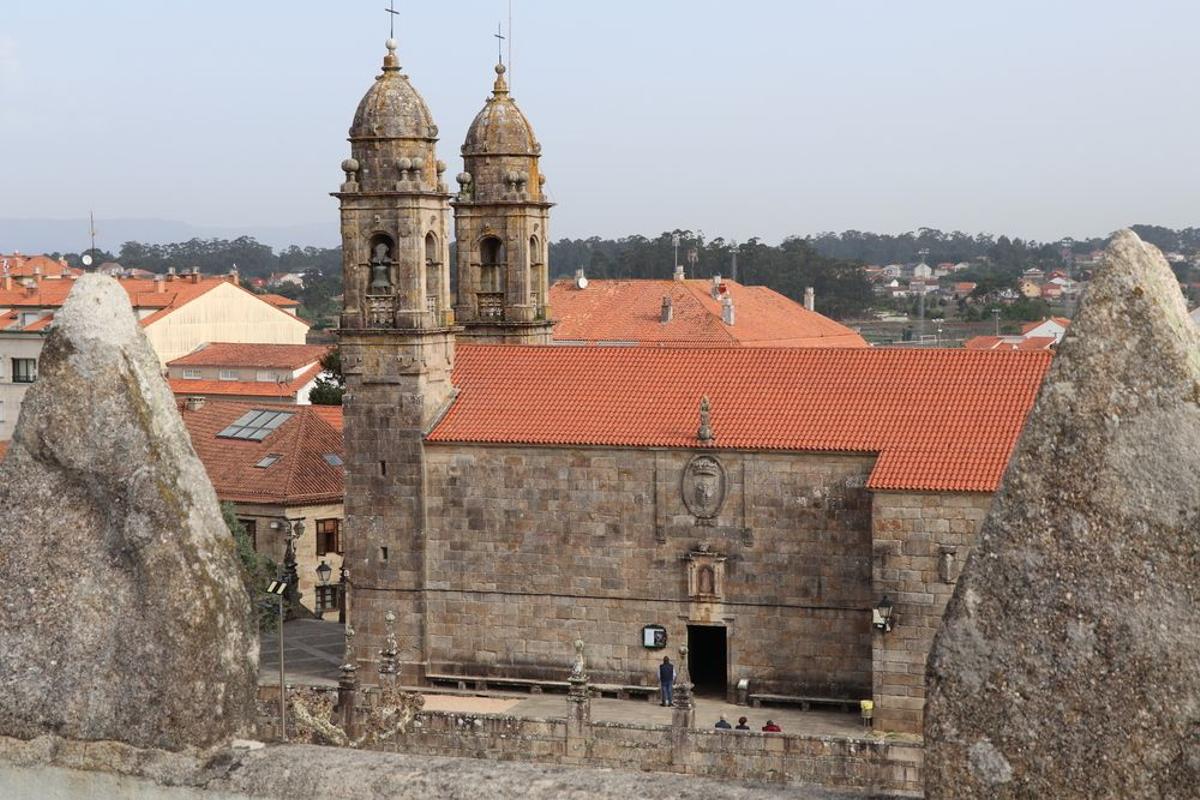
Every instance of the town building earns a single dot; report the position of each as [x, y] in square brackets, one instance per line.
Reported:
[1044, 335]
[279, 465]
[685, 312]
[263, 373]
[796, 516]
[18, 266]
[177, 312]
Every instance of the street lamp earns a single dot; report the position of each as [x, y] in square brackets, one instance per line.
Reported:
[323, 573]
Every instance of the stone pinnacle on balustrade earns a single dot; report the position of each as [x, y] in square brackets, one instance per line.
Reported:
[684, 713]
[388, 666]
[579, 677]
[1067, 659]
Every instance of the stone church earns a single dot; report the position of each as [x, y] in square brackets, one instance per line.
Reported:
[796, 517]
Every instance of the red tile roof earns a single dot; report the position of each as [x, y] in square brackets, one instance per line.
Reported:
[1009, 343]
[264, 356]
[143, 294]
[940, 420]
[629, 311]
[280, 301]
[301, 476]
[20, 266]
[185, 387]
[331, 414]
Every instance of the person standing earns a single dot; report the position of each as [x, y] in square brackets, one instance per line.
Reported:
[666, 679]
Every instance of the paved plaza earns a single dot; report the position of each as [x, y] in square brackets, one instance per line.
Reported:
[313, 652]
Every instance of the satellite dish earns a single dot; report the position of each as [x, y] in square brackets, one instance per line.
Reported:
[87, 260]
[581, 282]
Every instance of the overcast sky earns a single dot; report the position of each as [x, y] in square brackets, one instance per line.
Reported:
[753, 118]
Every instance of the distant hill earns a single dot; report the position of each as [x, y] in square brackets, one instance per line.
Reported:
[71, 235]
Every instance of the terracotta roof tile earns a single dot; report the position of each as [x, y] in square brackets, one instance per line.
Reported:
[143, 294]
[265, 356]
[941, 420]
[629, 311]
[301, 476]
[186, 387]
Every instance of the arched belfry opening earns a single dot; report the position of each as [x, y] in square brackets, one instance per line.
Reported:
[382, 253]
[433, 277]
[490, 297]
[537, 278]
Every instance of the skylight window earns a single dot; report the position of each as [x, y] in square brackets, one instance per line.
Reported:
[255, 425]
[333, 459]
[269, 461]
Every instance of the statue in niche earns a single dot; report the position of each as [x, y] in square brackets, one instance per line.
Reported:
[707, 584]
[381, 265]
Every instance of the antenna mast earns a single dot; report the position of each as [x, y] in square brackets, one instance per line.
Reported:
[510, 44]
[92, 228]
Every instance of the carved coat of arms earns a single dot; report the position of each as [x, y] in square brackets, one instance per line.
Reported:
[704, 486]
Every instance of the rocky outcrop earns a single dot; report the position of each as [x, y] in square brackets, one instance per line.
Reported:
[1067, 662]
[123, 616]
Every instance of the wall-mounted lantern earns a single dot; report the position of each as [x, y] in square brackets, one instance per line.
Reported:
[323, 573]
[883, 617]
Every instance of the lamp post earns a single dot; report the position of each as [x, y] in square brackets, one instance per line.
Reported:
[883, 616]
[323, 573]
[279, 588]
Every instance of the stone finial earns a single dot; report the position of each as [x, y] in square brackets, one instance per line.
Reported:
[500, 87]
[579, 677]
[705, 434]
[388, 662]
[681, 693]
[102, 496]
[1065, 666]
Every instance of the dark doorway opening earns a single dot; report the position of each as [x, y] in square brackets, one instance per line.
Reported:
[707, 658]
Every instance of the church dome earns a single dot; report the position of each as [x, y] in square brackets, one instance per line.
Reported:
[500, 128]
[392, 108]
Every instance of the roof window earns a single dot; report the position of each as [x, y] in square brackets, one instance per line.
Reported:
[255, 425]
[268, 461]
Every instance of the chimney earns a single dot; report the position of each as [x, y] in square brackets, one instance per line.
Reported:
[160, 285]
[195, 276]
[667, 311]
[194, 403]
[716, 286]
[234, 278]
[7, 282]
[727, 309]
[810, 299]
[170, 273]
[679, 272]
[37, 273]
[30, 287]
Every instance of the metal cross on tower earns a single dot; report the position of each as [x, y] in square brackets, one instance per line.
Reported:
[393, 13]
[500, 37]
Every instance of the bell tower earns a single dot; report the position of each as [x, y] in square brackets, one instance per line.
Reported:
[501, 224]
[397, 344]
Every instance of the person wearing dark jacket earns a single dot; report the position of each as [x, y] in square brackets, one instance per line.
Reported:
[742, 726]
[666, 679]
[723, 723]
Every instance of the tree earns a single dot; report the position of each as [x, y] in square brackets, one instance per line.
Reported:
[328, 391]
[257, 571]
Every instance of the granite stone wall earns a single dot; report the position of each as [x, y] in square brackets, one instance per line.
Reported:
[530, 548]
[921, 543]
